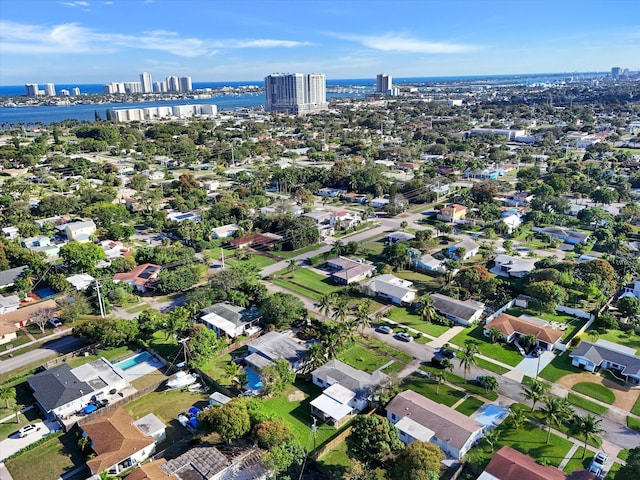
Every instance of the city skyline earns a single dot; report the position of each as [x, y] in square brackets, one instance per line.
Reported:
[104, 41]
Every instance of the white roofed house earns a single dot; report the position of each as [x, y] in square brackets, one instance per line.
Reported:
[80, 231]
[419, 418]
[81, 281]
[344, 218]
[395, 289]
[9, 303]
[510, 266]
[114, 249]
[273, 346]
[230, 320]
[322, 219]
[225, 231]
[430, 264]
[470, 247]
[346, 271]
[463, 312]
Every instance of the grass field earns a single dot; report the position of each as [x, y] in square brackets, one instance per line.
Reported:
[577, 462]
[386, 349]
[581, 402]
[469, 406]
[469, 385]
[498, 351]
[636, 407]
[216, 369]
[406, 317]
[307, 282]
[48, 460]
[111, 354]
[336, 461]
[422, 282]
[363, 358]
[443, 394]
[492, 367]
[633, 423]
[558, 368]
[595, 390]
[628, 339]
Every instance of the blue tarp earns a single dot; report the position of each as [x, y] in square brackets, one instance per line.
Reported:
[90, 408]
[194, 411]
[193, 421]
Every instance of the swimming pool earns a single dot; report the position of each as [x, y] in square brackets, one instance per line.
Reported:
[491, 415]
[133, 361]
[254, 382]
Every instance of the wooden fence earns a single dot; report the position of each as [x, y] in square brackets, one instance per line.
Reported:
[335, 441]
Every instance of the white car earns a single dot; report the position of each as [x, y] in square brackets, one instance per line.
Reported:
[55, 322]
[598, 463]
[28, 429]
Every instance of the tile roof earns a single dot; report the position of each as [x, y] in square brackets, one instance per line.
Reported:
[510, 464]
[142, 274]
[151, 471]
[115, 438]
[508, 324]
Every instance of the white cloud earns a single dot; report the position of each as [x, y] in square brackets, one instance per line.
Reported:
[393, 42]
[73, 38]
[75, 4]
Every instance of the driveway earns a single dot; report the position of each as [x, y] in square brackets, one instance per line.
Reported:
[532, 366]
[14, 443]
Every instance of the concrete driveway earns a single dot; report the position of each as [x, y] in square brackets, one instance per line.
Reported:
[14, 443]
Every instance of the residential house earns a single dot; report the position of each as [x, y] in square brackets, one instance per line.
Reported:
[273, 346]
[14, 319]
[56, 220]
[331, 192]
[511, 219]
[395, 289]
[353, 197]
[609, 356]
[41, 244]
[143, 277]
[379, 202]
[518, 199]
[205, 462]
[322, 219]
[258, 241]
[210, 185]
[294, 210]
[120, 442]
[567, 235]
[62, 391]
[346, 271]
[114, 249]
[347, 391]
[509, 464]
[452, 213]
[470, 247]
[80, 231]
[344, 218]
[419, 418]
[177, 216]
[10, 233]
[230, 320]
[9, 277]
[510, 266]
[464, 312]
[395, 237]
[512, 328]
[10, 303]
[225, 231]
[81, 281]
[430, 264]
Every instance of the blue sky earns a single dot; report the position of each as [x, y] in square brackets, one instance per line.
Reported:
[100, 41]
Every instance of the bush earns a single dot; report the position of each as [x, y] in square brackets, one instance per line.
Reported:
[575, 342]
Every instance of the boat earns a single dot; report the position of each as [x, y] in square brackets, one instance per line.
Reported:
[182, 379]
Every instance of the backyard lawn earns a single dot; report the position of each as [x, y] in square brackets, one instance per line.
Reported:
[112, 354]
[595, 390]
[422, 282]
[216, 369]
[404, 316]
[307, 282]
[49, 459]
[428, 388]
[335, 461]
[469, 406]
[628, 339]
[363, 358]
[573, 323]
[498, 351]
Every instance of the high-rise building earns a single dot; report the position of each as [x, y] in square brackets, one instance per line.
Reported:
[145, 80]
[185, 84]
[384, 83]
[133, 87]
[173, 84]
[615, 71]
[295, 93]
[31, 89]
[161, 87]
[76, 91]
[50, 89]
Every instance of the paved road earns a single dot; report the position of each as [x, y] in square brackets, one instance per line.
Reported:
[62, 345]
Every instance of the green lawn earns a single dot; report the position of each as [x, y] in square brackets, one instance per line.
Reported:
[167, 348]
[498, 351]
[259, 261]
[595, 390]
[297, 414]
[406, 317]
[636, 407]
[428, 388]
[558, 368]
[469, 406]
[49, 460]
[633, 423]
[295, 253]
[216, 369]
[307, 282]
[297, 289]
[492, 367]
[336, 462]
[582, 402]
[624, 454]
[422, 282]
[628, 339]
[363, 358]
[577, 462]
[467, 384]
[386, 349]
[529, 439]
[111, 354]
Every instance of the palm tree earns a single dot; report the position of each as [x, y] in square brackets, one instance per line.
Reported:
[489, 383]
[518, 418]
[236, 374]
[590, 427]
[440, 376]
[468, 356]
[17, 408]
[555, 411]
[7, 394]
[447, 366]
[535, 392]
[325, 304]
[528, 341]
[362, 315]
[491, 437]
[427, 310]
[340, 309]
[316, 356]
[494, 335]
[292, 265]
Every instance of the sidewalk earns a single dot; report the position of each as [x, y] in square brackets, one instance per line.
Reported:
[445, 337]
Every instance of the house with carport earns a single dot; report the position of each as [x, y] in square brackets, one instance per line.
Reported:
[620, 360]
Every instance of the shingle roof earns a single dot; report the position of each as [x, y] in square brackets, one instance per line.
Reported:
[464, 309]
[508, 324]
[115, 438]
[355, 380]
[8, 277]
[448, 425]
[200, 462]
[597, 353]
[510, 464]
[58, 386]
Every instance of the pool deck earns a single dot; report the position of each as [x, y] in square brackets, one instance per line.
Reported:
[495, 418]
[150, 365]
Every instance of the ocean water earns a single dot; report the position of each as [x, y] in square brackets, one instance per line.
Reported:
[86, 112]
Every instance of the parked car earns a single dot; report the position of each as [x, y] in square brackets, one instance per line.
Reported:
[405, 337]
[447, 353]
[28, 429]
[598, 463]
[384, 329]
[55, 322]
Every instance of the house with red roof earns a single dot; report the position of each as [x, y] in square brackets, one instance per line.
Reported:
[143, 277]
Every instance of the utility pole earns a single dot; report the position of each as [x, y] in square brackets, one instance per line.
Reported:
[314, 429]
[99, 298]
[222, 250]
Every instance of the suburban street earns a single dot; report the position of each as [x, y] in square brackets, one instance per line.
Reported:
[64, 344]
